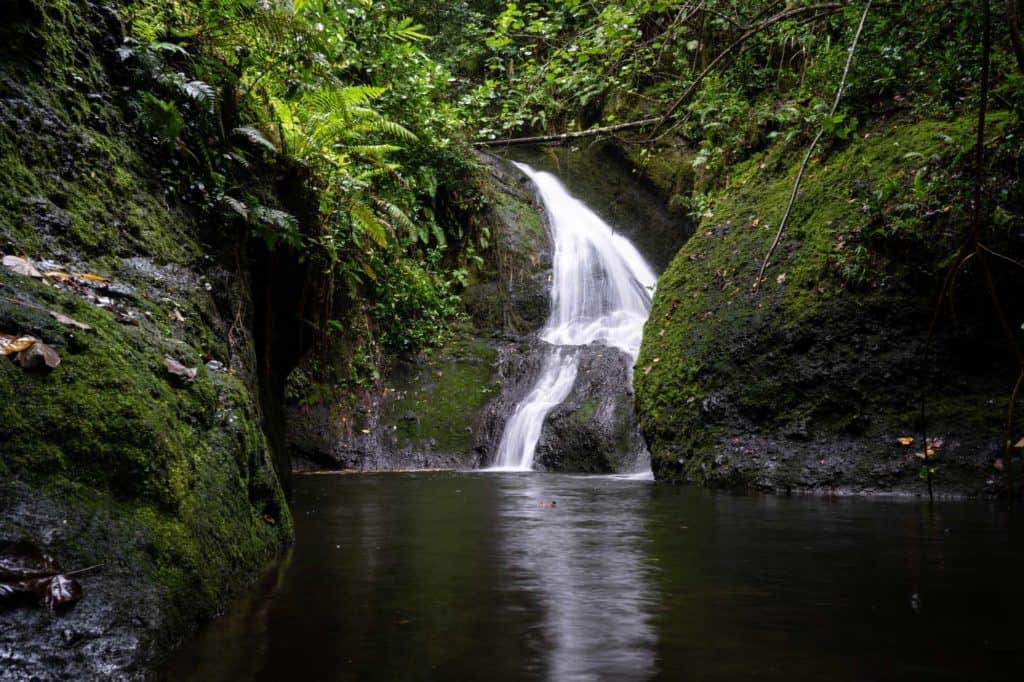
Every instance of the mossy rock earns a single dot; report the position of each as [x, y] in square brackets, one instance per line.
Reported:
[109, 458]
[425, 414]
[807, 382]
[594, 430]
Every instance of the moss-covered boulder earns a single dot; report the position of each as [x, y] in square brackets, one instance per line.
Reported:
[808, 382]
[111, 458]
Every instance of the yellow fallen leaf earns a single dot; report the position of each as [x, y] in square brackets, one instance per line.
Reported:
[9, 345]
[57, 275]
[91, 277]
[905, 440]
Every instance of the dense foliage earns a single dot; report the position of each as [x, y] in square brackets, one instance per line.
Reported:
[344, 95]
[377, 101]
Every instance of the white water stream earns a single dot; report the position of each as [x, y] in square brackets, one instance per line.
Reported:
[600, 294]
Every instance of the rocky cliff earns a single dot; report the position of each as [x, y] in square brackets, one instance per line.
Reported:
[143, 451]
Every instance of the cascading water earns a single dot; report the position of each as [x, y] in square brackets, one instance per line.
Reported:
[600, 294]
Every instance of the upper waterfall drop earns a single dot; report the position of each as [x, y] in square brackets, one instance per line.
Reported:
[600, 294]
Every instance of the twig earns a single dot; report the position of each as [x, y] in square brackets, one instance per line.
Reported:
[564, 137]
[814, 143]
[80, 571]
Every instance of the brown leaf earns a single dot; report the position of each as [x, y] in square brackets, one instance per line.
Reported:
[58, 275]
[38, 356]
[15, 344]
[905, 440]
[69, 322]
[27, 575]
[21, 266]
[188, 374]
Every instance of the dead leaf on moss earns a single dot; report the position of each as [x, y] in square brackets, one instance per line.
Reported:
[21, 266]
[91, 277]
[9, 345]
[69, 322]
[187, 374]
[58, 276]
[905, 440]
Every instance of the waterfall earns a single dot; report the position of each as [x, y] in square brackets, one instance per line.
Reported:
[600, 294]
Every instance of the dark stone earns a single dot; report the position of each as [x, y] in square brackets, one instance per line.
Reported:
[595, 429]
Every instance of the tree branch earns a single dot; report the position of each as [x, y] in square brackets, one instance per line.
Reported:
[664, 118]
[810, 150]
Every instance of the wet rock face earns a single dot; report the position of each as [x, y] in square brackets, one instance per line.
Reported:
[513, 295]
[108, 457]
[116, 628]
[595, 429]
[445, 408]
[427, 415]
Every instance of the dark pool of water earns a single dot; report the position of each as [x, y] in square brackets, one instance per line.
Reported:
[468, 577]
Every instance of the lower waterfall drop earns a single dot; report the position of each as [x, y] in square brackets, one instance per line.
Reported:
[600, 294]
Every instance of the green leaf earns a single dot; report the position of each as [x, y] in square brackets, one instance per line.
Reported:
[366, 220]
[256, 137]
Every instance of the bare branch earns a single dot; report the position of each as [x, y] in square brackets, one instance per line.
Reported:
[814, 143]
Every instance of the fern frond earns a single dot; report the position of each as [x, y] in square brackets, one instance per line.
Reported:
[345, 99]
[375, 151]
[395, 130]
[256, 137]
[366, 220]
[407, 29]
[203, 93]
[273, 217]
[237, 206]
[396, 214]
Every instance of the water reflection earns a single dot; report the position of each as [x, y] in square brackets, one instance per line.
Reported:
[584, 558]
[468, 577]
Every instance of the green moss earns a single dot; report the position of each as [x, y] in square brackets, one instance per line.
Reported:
[441, 399]
[859, 235]
[586, 411]
[185, 463]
